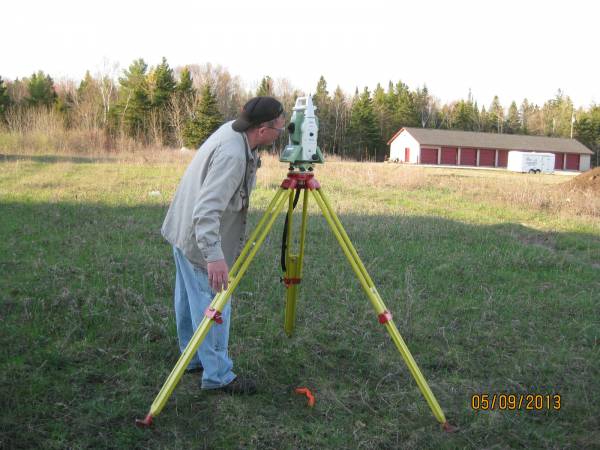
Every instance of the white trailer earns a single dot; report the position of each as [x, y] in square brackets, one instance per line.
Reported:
[530, 162]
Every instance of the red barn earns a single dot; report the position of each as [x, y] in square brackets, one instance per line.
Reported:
[465, 148]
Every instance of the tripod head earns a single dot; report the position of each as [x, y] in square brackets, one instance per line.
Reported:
[302, 150]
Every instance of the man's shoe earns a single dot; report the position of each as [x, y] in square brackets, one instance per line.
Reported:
[240, 385]
[199, 369]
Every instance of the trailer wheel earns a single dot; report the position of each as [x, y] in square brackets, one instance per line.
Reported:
[532, 171]
[538, 170]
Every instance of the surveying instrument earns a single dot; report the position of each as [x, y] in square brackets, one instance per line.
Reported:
[301, 153]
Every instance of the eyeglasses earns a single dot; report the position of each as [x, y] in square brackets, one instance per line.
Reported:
[279, 130]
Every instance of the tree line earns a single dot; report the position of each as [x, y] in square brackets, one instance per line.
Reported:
[160, 106]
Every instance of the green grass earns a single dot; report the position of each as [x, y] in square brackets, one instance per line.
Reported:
[489, 297]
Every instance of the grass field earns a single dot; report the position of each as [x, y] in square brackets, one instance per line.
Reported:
[493, 279]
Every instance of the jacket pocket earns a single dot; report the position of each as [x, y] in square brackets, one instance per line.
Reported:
[237, 202]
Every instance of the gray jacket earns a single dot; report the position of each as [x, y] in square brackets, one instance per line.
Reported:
[207, 217]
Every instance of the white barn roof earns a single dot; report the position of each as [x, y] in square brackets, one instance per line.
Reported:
[452, 138]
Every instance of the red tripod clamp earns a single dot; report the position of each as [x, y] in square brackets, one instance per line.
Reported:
[384, 317]
[300, 180]
[213, 314]
[289, 281]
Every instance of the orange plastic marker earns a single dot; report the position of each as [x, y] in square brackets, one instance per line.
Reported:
[306, 391]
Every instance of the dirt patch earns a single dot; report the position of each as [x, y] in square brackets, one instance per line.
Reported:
[587, 181]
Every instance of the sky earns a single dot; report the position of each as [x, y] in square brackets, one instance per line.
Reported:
[513, 49]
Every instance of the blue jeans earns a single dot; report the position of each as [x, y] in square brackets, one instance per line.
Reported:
[192, 296]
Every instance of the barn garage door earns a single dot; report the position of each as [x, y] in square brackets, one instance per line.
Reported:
[558, 161]
[449, 155]
[572, 162]
[429, 156]
[468, 157]
[487, 158]
[502, 158]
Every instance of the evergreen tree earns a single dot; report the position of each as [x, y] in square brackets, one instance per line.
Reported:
[41, 92]
[161, 83]
[476, 118]
[587, 131]
[323, 103]
[512, 124]
[340, 120]
[87, 104]
[526, 113]
[364, 138]
[383, 112]
[161, 89]
[405, 113]
[557, 114]
[181, 107]
[266, 87]
[484, 120]
[185, 86]
[86, 85]
[134, 102]
[64, 105]
[205, 121]
[496, 116]
[4, 99]
[425, 108]
[463, 116]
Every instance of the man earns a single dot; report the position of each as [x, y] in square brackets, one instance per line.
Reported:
[206, 225]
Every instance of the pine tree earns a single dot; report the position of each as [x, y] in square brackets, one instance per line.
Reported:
[181, 108]
[87, 104]
[86, 84]
[512, 124]
[557, 114]
[161, 90]
[161, 83]
[185, 86]
[205, 121]
[425, 108]
[266, 87]
[463, 116]
[323, 103]
[339, 119]
[134, 102]
[496, 116]
[404, 113]
[587, 131]
[4, 99]
[40, 88]
[363, 133]
[525, 112]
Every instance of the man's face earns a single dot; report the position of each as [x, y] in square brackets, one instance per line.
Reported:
[269, 134]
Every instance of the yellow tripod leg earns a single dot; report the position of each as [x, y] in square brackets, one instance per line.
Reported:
[291, 295]
[383, 314]
[213, 312]
[294, 267]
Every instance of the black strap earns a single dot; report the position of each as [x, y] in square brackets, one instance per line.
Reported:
[285, 227]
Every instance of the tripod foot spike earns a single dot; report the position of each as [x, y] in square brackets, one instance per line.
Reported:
[449, 428]
[144, 423]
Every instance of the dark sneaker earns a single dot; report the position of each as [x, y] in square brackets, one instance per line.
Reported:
[240, 385]
[199, 369]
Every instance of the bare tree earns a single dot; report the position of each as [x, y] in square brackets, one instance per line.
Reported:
[106, 84]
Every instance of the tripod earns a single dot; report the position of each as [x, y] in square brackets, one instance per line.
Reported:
[295, 182]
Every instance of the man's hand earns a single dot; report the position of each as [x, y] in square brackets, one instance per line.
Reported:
[218, 275]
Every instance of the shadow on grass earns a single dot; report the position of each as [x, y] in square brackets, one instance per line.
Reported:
[88, 335]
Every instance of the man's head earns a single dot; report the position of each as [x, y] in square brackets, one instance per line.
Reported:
[262, 119]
